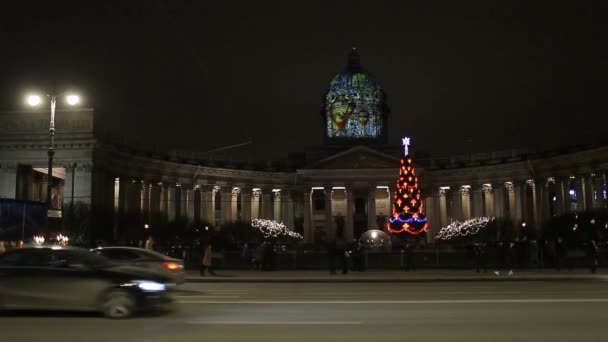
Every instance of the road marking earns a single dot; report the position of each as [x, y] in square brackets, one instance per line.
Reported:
[205, 296]
[274, 322]
[399, 301]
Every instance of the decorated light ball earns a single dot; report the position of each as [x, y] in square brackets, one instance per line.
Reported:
[374, 239]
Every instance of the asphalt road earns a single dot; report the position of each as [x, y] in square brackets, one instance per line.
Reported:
[446, 311]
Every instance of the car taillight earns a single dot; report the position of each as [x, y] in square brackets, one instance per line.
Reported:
[172, 265]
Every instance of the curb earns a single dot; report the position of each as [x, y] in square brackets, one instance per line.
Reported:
[390, 280]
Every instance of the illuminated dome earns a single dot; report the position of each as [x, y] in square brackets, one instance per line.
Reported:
[354, 106]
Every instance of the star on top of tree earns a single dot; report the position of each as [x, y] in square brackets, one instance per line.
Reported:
[406, 144]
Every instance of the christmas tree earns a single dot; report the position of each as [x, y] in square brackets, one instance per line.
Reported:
[408, 206]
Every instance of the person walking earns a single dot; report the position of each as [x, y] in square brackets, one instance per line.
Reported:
[207, 262]
[480, 257]
[259, 256]
[594, 254]
[149, 243]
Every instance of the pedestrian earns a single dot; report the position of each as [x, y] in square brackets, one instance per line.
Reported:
[245, 254]
[506, 251]
[331, 256]
[259, 256]
[344, 254]
[207, 262]
[355, 250]
[409, 256]
[149, 243]
[479, 249]
[561, 252]
[594, 254]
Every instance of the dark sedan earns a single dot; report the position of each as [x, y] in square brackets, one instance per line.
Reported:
[57, 278]
[154, 261]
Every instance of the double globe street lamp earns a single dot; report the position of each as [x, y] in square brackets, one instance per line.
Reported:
[36, 100]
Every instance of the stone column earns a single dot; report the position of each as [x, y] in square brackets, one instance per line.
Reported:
[308, 233]
[465, 193]
[488, 198]
[171, 202]
[544, 211]
[147, 213]
[116, 212]
[226, 204]
[499, 200]
[213, 212]
[456, 205]
[329, 218]
[579, 187]
[443, 212]
[561, 194]
[255, 203]
[349, 221]
[234, 204]
[8, 181]
[267, 206]
[533, 214]
[520, 202]
[290, 211]
[590, 192]
[189, 203]
[287, 210]
[164, 198]
[155, 199]
[207, 204]
[510, 189]
[431, 216]
[246, 204]
[598, 185]
[198, 205]
[372, 223]
[277, 206]
[477, 197]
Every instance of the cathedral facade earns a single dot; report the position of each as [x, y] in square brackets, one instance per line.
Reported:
[351, 179]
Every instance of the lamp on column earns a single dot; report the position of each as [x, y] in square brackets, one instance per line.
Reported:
[36, 100]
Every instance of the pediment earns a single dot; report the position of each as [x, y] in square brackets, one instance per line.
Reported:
[359, 157]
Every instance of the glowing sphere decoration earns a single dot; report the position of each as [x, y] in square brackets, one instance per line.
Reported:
[374, 239]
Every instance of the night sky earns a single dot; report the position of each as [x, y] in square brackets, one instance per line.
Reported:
[460, 76]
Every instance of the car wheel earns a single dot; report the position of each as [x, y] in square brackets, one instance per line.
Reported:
[118, 304]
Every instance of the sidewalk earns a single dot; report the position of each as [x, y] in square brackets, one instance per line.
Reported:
[389, 276]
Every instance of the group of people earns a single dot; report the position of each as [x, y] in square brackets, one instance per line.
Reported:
[6, 246]
[522, 253]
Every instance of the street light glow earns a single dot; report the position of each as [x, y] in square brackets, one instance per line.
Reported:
[73, 99]
[34, 100]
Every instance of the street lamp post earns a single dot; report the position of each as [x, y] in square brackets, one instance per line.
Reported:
[35, 100]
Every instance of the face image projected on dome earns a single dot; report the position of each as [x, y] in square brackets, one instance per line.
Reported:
[353, 106]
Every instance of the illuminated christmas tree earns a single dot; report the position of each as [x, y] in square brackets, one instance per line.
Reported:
[408, 206]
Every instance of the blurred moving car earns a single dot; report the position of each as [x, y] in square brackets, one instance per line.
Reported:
[67, 278]
[133, 256]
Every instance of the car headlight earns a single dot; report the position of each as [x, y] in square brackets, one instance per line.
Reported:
[150, 286]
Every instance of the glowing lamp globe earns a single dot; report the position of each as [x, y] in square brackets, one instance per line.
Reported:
[73, 100]
[34, 100]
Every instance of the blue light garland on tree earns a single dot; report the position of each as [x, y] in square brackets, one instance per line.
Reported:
[408, 206]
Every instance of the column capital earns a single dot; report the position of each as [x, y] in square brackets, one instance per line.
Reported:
[487, 189]
[509, 186]
[236, 191]
[465, 190]
[256, 193]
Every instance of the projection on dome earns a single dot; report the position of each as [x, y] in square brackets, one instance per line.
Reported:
[354, 106]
